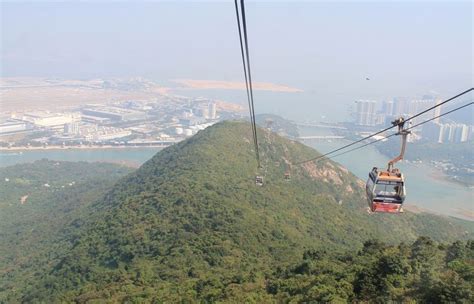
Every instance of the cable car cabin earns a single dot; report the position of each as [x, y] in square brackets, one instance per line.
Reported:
[259, 180]
[287, 176]
[385, 191]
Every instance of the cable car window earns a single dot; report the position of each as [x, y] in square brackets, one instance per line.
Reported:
[388, 188]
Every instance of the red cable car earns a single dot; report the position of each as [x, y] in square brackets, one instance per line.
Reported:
[385, 191]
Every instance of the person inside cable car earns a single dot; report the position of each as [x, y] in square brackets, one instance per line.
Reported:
[385, 191]
[389, 192]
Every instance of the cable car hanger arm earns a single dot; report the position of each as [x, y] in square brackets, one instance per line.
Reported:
[404, 133]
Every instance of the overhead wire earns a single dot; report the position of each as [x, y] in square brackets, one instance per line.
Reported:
[247, 72]
[244, 24]
[382, 131]
[394, 134]
[245, 75]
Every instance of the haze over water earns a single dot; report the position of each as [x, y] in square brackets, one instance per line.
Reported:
[327, 49]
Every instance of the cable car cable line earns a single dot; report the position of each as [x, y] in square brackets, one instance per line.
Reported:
[394, 134]
[382, 131]
[244, 24]
[247, 73]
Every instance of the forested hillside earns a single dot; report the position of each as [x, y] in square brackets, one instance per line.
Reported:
[40, 203]
[191, 225]
[421, 272]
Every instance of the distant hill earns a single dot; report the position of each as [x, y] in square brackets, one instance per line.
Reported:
[278, 124]
[191, 224]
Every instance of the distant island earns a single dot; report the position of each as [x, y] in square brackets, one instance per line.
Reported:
[234, 85]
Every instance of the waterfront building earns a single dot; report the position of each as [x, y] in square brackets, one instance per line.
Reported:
[461, 133]
[432, 131]
[13, 127]
[114, 113]
[437, 110]
[51, 120]
[454, 133]
[212, 110]
[72, 128]
[365, 113]
[400, 106]
[420, 105]
[203, 111]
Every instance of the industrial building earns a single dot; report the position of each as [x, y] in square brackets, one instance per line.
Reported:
[192, 121]
[13, 127]
[114, 113]
[51, 120]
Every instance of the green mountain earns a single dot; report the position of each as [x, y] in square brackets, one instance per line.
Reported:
[40, 204]
[191, 225]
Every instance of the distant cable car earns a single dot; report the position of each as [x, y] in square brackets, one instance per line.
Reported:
[386, 188]
[259, 180]
[287, 175]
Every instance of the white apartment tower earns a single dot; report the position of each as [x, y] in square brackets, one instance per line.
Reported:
[365, 112]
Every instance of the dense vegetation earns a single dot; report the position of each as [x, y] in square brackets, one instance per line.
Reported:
[423, 272]
[38, 202]
[191, 225]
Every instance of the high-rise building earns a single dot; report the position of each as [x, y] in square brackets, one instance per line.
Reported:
[454, 133]
[470, 133]
[432, 131]
[400, 106]
[443, 133]
[71, 128]
[437, 110]
[388, 108]
[420, 105]
[461, 133]
[203, 111]
[365, 112]
[212, 110]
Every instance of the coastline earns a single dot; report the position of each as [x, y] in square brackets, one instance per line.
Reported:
[439, 175]
[64, 148]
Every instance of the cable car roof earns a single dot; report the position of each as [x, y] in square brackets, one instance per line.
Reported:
[384, 175]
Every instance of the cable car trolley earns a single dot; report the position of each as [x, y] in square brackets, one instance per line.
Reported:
[386, 188]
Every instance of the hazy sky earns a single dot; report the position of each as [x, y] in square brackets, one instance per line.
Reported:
[326, 48]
